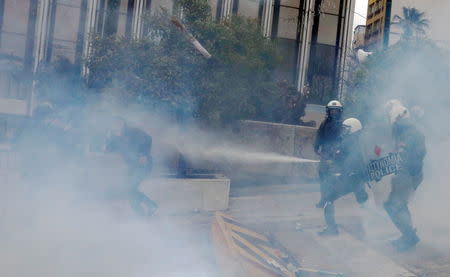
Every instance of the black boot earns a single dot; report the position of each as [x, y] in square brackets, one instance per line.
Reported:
[401, 218]
[331, 229]
[141, 204]
[406, 242]
[320, 204]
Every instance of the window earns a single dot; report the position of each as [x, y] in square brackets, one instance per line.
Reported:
[288, 22]
[285, 29]
[248, 8]
[378, 6]
[376, 27]
[370, 11]
[111, 17]
[369, 30]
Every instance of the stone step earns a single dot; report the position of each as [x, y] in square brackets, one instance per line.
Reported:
[175, 195]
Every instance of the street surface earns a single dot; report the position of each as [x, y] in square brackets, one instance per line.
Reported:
[361, 249]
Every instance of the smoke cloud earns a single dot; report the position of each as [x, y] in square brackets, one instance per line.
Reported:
[416, 73]
[58, 233]
[72, 223]
[76, 220]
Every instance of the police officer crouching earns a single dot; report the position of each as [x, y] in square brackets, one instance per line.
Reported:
[347, 174]
[134, 145]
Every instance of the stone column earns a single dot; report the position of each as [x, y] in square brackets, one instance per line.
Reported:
[42, 32]
[226, 9]
[91, 19]
[40, 44]
[138, 9]
[305, 42]
[267, 18]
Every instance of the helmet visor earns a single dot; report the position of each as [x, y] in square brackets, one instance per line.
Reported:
[334, 112]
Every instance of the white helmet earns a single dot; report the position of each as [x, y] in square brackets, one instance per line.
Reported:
[392, 102]
[334, 104]
[352, 125]
[334, 109]
[396, 110]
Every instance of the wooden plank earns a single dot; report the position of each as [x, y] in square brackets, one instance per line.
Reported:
[342, 253]
[243, 252]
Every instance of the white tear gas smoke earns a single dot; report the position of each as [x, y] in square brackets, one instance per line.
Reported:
[64, 225]
[75, 220]
[72, 220]
[239, 155]
[198, 144]
[59, 233]
[418, 78]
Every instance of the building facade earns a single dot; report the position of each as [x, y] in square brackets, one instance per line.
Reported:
[378, 24]
[359, 35]
[381, 30]
[313, 35]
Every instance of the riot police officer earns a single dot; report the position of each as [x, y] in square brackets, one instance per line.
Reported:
[327, 140]
[410, 144]
[349, 174]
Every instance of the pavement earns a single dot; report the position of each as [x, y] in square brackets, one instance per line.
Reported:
[362, 247]
[288, 212]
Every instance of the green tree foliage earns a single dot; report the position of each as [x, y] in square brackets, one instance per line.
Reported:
[163, 68]
[413, 22]
[59, 83]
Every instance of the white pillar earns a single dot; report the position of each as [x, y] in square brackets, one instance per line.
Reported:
[40, 45]
[42, 28]
[227, 9]
[305, 42]
[345, 47]
[136, 28]
[267, 18]
[91, 20]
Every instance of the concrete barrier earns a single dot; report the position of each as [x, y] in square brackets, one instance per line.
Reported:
[283, 139]
[197, 193]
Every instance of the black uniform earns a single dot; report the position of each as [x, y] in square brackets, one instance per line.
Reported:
[348, 175]
[327, 143]
[410, 144]
[133, 145]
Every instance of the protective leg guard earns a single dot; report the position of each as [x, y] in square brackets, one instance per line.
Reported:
[323, 189]
[406, 242]
[331, 229]
[401, 218]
